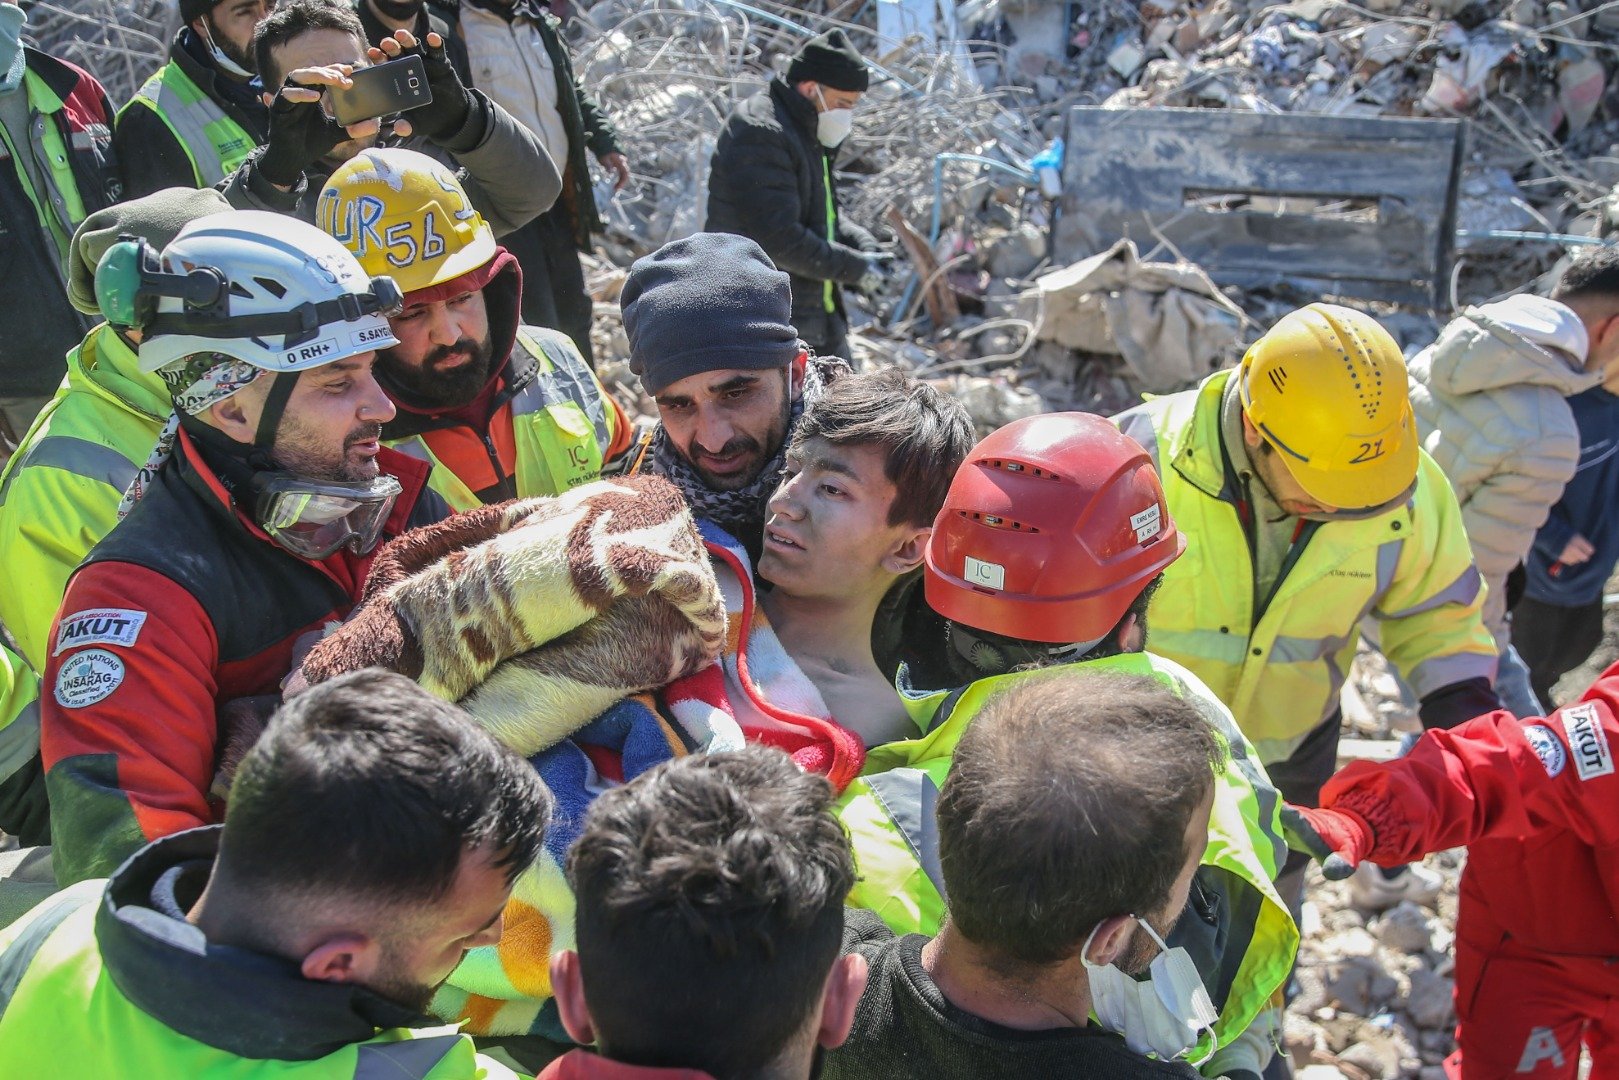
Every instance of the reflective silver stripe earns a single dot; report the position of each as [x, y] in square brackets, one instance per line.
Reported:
[1303, 650]
[81, 457]
[1464, 590]
[1441, 671]
[568, 380]
[189, 120]
[413, 447]
[19, 740]
[21, 952]
[1388, 563]
[1229, 649]
[1137, 423]
[910, 797]
[407, 1058]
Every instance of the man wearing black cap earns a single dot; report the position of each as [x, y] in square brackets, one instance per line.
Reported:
[709, 321]
[770, 179]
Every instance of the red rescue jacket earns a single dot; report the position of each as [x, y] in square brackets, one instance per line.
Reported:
[1535, 801]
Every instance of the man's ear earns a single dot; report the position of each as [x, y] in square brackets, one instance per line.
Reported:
[906, 554]
[1111, 939]
[1124, 635]
[1250, 434]
[844, 986]
[568, 988]
[231, 417]
[343, 958]
[795, 375]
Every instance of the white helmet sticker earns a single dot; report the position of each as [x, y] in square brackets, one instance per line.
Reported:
[989, 575]
[1147, 524]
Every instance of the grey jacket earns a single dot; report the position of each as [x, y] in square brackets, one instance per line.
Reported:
[508, 176]
[1490, 405]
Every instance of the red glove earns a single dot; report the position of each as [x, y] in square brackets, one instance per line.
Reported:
[1337, 839]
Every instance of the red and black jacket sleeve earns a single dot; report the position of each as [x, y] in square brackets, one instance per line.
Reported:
[128, 725]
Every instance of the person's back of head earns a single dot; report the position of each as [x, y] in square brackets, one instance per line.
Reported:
[1590, 286]
[709, 919]
[376, 816]
[1074, 799]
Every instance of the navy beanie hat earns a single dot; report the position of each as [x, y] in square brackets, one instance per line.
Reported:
[831, 61]
[710, 302]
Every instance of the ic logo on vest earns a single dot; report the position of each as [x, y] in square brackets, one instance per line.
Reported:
[99, 626]
[1587, 740]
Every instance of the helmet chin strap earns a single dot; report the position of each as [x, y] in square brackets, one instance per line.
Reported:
[275, 406]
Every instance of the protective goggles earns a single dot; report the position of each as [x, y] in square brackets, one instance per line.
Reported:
[313, 518]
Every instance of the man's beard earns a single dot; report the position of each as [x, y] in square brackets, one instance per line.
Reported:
[241, 57]
[296, 453]
[1143, 949]
[427, 387]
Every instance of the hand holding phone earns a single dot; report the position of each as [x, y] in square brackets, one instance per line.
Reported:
[393, 87]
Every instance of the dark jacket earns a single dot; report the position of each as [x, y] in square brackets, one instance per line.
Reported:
[1585, 509]
[148, 152]
[906, 1029]
[508, 176]
[587, 126]
[196, 607]
[767, 181]
[43, 326]
[425, 21]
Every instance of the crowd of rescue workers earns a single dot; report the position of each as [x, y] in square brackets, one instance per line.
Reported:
[379, 700]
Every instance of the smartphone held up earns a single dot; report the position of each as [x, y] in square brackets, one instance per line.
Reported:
[381, 90]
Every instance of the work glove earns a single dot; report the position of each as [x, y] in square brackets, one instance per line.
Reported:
[444, 116]
[1337, 839]
[876, 276]
[300, 135]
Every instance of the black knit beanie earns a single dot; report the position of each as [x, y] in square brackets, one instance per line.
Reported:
[192, 10]
[710, 302]
[831, 61]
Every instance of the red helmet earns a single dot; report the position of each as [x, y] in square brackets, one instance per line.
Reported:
[1052, 527]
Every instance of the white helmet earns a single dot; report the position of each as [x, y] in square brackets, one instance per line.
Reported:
[265, 289]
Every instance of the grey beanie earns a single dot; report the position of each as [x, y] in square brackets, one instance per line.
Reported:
[157, 217]
[710, 302]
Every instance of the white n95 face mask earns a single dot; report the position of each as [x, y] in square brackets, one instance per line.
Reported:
[1164, 1015]
[833, 125]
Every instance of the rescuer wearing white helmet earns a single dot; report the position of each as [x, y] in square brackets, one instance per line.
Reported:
[253, 523]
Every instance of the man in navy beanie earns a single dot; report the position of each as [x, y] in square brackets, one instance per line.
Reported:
[711, 333]
[770, 179]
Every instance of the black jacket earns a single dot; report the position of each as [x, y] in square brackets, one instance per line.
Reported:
[151, 157]
[767, 181]
[587, 126]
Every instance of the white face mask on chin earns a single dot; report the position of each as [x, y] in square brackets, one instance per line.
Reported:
[832, 126]
[1162, 1016]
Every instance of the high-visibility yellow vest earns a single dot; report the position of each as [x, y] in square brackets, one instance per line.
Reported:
[19, 715]
[213, 142]
[561, 423]
[61, 1014]
[1411, 568]
[888, 811]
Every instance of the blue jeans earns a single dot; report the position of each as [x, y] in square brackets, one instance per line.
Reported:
[1512, 686]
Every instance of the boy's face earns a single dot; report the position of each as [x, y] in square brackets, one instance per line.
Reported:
[828, 534]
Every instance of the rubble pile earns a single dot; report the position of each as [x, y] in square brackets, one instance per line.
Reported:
[988, 84]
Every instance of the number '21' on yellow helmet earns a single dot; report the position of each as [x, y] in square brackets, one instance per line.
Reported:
[1326, 387]
[404, 214]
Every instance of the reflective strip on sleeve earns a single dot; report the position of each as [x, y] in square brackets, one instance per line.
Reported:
[407, 1059]
[80, 457]
[911, 798]
[1442, 671]
[21, 952]
[1464, 590]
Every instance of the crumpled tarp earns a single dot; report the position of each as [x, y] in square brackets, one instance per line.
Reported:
[1168, 321]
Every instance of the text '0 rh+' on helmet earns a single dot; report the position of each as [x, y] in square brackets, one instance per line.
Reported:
[1326, 387]
[405, 215]
[1051, 529]
[290, 298]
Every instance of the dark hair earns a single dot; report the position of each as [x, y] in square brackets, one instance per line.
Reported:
[369, 786]
[1594, 272]
[709, 896]
[1109, 645]
[1067, 803]
[293, 19]
[925, 435]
